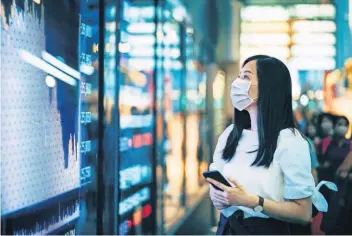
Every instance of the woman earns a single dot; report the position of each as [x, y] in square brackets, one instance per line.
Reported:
[264, 157]
[334, 150]
[325, 127]
[337, 157]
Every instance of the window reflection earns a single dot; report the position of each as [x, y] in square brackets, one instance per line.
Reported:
[179, 113]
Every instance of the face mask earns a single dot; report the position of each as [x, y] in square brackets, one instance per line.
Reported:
[326, 126]
[239, 94]
[311, 132]
[341, 130]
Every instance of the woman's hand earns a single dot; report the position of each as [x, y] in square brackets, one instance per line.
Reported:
[216, 198]
[342, 174]
[295, 211]
[231, 196]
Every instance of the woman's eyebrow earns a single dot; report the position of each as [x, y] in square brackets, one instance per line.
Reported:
[248, 72]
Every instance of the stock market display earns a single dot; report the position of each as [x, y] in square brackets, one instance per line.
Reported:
[41, 92]
[136, 119]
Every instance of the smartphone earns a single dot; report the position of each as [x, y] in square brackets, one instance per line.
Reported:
[216, 175]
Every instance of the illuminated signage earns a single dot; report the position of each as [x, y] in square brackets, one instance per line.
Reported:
[136, 121]
[86, 146]
[280, 13]
[140, 140]
[135, 104]
[276, 51]
[312, 11]
[134, 201]
[86, 88]
[134, 176]
[265, 39]
[316, 50]
[86, 30]
[314, 38]
[86, 117]
[136, 220]
[314, 26]
[134, 96]
[137, 141]
[264, 13]
[265, 27]
[313, 63]
[86, 174]
[141, 27]
[134, 14]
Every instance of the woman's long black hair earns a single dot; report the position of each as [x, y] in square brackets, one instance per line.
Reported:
[274, 110]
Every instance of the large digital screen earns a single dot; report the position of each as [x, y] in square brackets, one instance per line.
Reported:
[136, 121]
[41, 116]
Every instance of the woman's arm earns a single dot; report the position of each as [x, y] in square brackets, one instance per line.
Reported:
[346, 166]
[293, 157]
[218, 164]
[293, 211]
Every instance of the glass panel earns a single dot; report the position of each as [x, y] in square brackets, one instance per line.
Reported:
[48, 119]
[136, 103]
[161, 103]
[110, 214]
[194, 101]
[173, 164]
[88, 66]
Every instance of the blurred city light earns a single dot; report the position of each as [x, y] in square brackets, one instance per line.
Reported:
[308, 50]
[141, 27]
[304, 100]
[314, 63]
[124, 47]
[310, 11]
[277, 51]
[319, 94]
[314, 38]
[265, 27]
[50, 81]
[311, 94]
[267, 13]
[314, 26]
[265, 39]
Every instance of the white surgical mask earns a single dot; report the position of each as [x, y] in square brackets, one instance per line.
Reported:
[239, 94]
[341, 130]
[326, 126]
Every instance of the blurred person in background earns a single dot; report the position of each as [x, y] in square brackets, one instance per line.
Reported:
[264, 156]
[325, 127]
[335, 149]
[338, 164]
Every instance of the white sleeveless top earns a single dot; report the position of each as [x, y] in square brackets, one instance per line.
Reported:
[288, 177]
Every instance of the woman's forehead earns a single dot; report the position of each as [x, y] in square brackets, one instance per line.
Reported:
[250, 68]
